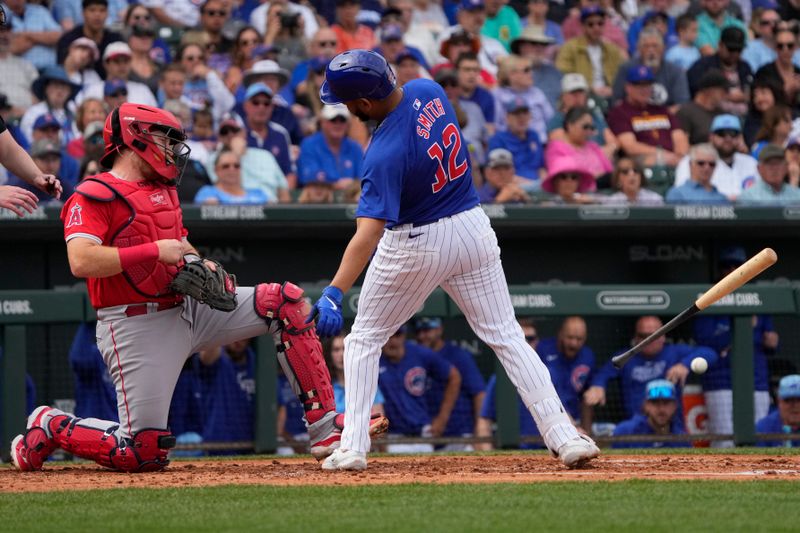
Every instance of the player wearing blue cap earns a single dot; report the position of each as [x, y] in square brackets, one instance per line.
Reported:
[786, 418]
[658, 417]
[419, 208]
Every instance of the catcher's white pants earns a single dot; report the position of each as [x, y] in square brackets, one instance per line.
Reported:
[720, 412]
[460, 254]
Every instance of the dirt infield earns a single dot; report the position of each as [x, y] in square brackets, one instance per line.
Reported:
[414, 469]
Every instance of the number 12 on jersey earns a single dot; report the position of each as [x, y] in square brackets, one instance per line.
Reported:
[452, 146]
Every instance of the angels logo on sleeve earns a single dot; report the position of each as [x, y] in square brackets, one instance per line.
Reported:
[75, 218]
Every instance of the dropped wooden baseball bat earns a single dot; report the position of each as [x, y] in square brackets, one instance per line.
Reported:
[750, 269]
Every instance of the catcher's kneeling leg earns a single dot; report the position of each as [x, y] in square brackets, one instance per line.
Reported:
[97, 440]
[299, 349]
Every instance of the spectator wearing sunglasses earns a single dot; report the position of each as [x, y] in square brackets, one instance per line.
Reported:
[735, 171]
[659, 416]
[229, 189]
[589, 54]
[699, 189]
[265, 134]
[577, 144]
[330, 155]
[323, 45]
[782, 71]
[516, 81]
[628, 181]
[260, 169]
[761, 50]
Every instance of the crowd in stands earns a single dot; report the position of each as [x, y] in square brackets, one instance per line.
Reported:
[561, 102]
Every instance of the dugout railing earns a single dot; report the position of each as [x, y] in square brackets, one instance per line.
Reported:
[20, 309]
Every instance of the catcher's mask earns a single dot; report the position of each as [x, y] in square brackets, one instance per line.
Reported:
[154, 134]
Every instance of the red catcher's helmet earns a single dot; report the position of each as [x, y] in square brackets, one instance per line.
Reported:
[152, 133]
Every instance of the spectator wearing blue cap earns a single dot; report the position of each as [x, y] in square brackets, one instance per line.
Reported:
[407, 67]
[34, 33]
[265, 134]
[268, 72]
[330, 155]
[735, 171]
[670, 87]
[761, 50]
[650, 133]
[716, 332]
[471, 16]
[392, 46]
[659, 416]
[502, 22]
[698, 189]
[589, 54]
[522, 141]
[47, 127]
[115, 93]
[786, 418]
[430, 333]
[94, 14]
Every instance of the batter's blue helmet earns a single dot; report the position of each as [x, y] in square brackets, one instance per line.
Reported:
[357, 74]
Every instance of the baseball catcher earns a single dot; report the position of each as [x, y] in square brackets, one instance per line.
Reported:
[157, 302]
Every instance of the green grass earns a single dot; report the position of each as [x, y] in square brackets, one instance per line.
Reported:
[635, 506]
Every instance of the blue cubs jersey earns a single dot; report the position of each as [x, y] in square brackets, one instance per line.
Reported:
[462, 419]
[417, 167]
[527, 426]
[570, 376]
[639, 370]
[228, 394]
[638, 425]
[404, 384]
[95, 394]
[772, 423]
[715, 332]
[295, 421]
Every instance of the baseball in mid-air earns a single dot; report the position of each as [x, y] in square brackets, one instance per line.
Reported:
[699, 365]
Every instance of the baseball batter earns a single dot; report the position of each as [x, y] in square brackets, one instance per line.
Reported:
[419, 208]
[125, 234]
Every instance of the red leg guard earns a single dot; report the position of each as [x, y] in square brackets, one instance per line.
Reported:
[145, 452]
[299, 350]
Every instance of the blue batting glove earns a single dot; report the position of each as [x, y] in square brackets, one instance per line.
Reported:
[328, 312]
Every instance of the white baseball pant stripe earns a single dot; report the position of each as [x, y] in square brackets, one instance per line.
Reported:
[460, 254]
[720, 412]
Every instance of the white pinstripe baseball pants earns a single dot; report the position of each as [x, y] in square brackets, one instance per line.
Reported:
[460, 254]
